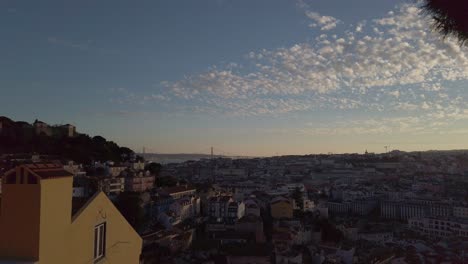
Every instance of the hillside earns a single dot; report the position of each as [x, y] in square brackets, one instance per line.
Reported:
[61, 140]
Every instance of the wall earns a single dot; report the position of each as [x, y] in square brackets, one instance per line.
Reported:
[19, 220]
[56, 202]
[281, 210]
[123, 244]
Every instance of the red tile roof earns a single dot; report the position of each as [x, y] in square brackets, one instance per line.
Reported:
[48, 170]
[45, 170]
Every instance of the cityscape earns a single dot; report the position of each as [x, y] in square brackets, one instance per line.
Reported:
[234, 132]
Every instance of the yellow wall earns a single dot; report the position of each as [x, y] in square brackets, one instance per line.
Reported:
[281, 209]
[19, 221]
[56, 202]
[36, 224]
[123, 244]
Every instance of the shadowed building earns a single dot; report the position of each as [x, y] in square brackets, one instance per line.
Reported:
[281, 208]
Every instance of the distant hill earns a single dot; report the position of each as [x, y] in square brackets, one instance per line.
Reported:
[60, 140]
[175, 158]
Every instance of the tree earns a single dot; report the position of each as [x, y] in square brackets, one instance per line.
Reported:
[298, 197]
[129, 205]
[449, 17]
[329, 232]
[154, 168]
[139, 158]
[167, 181]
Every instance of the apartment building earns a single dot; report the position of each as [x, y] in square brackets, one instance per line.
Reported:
[224, 209]
[139, 183]
[440, 227]
[404, 210]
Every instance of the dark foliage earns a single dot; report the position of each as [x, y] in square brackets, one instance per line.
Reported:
[82, 148]
[166, 181]
[330, 233]
[129, 205]
[450, 17]
[154, 168]
[297, 195]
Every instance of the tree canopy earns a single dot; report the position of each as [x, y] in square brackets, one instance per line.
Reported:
[154, 168]
[20, 137]
[130, 206]
[449, 17]
[298, 197]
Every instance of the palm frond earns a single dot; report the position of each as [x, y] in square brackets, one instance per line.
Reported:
[450, 17]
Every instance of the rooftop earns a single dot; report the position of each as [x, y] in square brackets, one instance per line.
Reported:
[48, 170]
[178, 189]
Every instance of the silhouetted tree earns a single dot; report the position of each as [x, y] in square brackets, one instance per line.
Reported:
[298, 197]
[450, 17]
[154, 168]
[139, 158]
[129, 205]
[329, 232]
[166, 181]
[20, 137]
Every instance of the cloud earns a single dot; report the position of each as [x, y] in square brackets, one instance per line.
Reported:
[400, 77]
[122, 95]
[388, 70]
[324, 22]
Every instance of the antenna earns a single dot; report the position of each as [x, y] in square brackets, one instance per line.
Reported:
[386, 148]
[211, 152]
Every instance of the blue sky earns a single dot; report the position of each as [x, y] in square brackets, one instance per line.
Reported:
[251, 77]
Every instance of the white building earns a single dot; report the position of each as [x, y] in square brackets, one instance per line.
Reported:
[185, 208]
[404, 210]
[225, 209]
[116, 185]
[357, 207]
[460, 212]
[440, 227]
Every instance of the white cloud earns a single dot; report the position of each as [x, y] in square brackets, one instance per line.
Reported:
[402, 67]
[122, 95]
[324, 22]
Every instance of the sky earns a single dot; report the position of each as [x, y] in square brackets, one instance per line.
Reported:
[248, 77]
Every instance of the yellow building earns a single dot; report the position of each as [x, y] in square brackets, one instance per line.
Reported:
[37, 224]
[281, 208]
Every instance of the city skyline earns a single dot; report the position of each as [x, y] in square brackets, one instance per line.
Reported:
[254, 78]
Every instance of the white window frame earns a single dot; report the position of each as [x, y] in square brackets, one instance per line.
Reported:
[99, 249]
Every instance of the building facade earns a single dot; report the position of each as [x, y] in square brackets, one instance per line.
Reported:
[440, 227]
[139, 183]
[403, 210]
[38, 226]
[281, 208]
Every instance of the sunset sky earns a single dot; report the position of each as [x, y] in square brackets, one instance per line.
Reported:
[248, 77]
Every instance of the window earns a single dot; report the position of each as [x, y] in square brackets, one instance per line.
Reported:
[99, 242]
